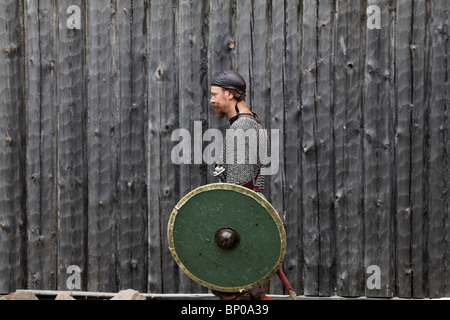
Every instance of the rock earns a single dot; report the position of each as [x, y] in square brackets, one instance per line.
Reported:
[20, 295]
[64, 296]
[129, 294]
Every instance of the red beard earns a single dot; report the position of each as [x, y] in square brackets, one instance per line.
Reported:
[219, 114]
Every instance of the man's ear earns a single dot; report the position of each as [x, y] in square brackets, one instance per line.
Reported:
[229, 95]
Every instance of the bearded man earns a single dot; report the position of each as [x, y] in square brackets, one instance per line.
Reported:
[228, 91]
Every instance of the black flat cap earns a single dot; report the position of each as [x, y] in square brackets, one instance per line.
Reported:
[230, 80]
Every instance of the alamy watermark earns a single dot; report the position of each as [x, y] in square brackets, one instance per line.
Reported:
[74, 280]
[373, 17]
[242, 147]
[374, 280]
[74, 21]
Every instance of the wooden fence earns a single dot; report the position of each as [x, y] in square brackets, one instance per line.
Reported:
[91, 91]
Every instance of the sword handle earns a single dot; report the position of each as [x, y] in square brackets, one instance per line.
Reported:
[286, 284]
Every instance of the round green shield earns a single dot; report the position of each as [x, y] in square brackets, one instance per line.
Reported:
[226, 237]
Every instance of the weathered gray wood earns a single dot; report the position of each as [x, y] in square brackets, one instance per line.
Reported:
[446, 215]
[420, 72]
[260, 77]
[72, 179]
[276, 182]
[102, 154]
[163, 90]
[348, 153]
[310, 231]
[403, 152]
[243, 44]
[324, 147]
[132, 184]
[410, 117]
[41, 148]
[33, 154]
[438, 209]
[292, 211]
[155, 72]
[219, 52]
[378, 109]
[12, 154]
[194, 104]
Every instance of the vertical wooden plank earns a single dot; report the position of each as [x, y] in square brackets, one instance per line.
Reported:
[33, 153]
[244, 44]
[276, 53]
[420, 70]
[438, 209]
[102, 154]
[447, 152]
[293, 210]
[163, 101]
[293, 172]
[260, 69]
[41, 144]
[340, 146]
[403, 150]
[348, 148]
[154, 136]
[378, 110]
[193, 101]
[324, 149]
[310, 232]
[194, 88]
[132, 185]
[259, 81]
[71, 119]
[12, 208]
[410, 66]
[446, 239]
[220, 55]
[221, 35]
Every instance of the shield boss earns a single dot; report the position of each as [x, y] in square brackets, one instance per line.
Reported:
[226, 237]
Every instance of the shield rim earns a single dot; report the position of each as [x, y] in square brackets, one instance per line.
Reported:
[263, 202]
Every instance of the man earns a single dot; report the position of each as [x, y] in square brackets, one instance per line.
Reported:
[228, 98]
[246, 134]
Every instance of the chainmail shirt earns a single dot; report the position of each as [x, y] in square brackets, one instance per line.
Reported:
[248, 142]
